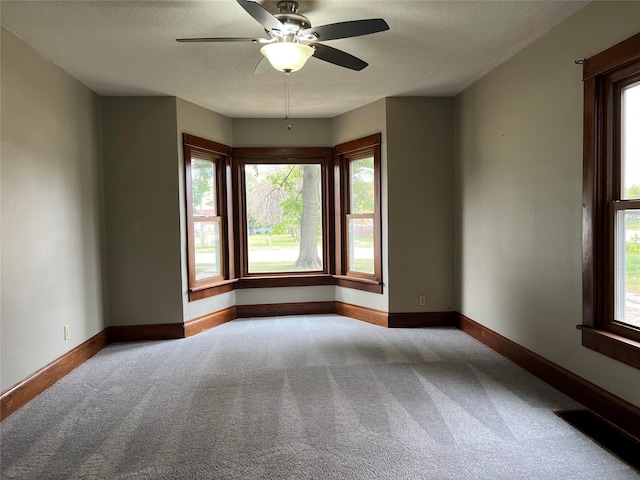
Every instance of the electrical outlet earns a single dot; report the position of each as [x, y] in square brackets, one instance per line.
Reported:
[422, 300]
[67, 332]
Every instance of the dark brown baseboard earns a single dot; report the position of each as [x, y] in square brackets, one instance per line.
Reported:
[275, 309]
[605, 404]
[36, 383]
[423, 319]
[206, 322]
[138, 333]
[610, 407]
[364, 314]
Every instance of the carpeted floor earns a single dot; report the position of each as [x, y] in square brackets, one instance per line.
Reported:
[301, 397]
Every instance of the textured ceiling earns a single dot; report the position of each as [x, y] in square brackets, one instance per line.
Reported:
[433, 48]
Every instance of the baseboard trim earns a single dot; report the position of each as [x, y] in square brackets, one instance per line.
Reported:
[369, 315]
[36, 383]
[423, 319]
[610, 407]
[138, 333]
[275, 309]
[206, 322]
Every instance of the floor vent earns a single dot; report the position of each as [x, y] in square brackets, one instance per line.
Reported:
[608, 436]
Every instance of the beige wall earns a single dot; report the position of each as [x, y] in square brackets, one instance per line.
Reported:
[518, 195]
[358, 123]
[52, 213]
[420, 152]
[271, 132]
[142, 210]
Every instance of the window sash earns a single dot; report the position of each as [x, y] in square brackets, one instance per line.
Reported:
[243, 157]
[347, 259]
[604, 237]
[199, 255]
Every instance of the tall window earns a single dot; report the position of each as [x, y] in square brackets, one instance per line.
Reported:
[611, 220]
[359, 257]
[205, 171]
[283, 198]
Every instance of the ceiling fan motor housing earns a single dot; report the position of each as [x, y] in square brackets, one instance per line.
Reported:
[289, 16]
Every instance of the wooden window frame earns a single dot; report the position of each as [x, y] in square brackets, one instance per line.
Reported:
[219, 154]
[604, 75]
[293, 155]
[345, 153]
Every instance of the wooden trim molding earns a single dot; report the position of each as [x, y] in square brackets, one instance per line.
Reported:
[18, 395]
[423, 319]
[364, 314]
[612, 408]
[605, 404]
[614, 57]
[211, 290]
[620, 348]
[275, 309]
[206, 322]
[137, 333]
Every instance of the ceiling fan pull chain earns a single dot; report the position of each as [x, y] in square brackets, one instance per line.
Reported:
[286, 99]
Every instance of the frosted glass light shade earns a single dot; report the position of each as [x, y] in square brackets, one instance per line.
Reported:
[287, 57]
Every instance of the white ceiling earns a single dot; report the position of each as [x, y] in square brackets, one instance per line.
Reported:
[435, 48]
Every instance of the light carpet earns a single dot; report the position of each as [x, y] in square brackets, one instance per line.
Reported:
[301, 397]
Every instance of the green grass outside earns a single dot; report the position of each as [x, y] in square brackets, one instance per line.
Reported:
[633, 273]
[260, 242]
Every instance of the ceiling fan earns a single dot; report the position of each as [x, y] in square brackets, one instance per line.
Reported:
[292, 40]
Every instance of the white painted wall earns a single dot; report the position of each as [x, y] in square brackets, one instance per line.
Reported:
[519, 190]
[52, 212]
[420, 159]
[359, 123]
[203, 123]
[142, 210]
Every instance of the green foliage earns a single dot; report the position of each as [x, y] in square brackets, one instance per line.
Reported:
[633, 245]
[362, 186]
[633, 192]
[288, 182]
[202, 182]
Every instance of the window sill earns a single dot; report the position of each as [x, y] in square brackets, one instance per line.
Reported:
[204, 291]
[371, 286]
[612, 345]
[285, 281]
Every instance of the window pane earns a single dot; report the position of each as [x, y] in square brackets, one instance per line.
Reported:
[361, 183]
[203, 188]
[360, 243]
[208, 251]
[627, 268]
[284, 218]
[631, 141]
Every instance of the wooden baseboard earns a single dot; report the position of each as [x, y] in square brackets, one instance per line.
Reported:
[206, 322]
[423, 319]
[365, 314]
[610, 407]
[36, 383]
[137, 333]
[605, 404]
[275, 309]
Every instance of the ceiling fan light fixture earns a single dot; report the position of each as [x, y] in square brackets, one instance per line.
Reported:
[287, 56]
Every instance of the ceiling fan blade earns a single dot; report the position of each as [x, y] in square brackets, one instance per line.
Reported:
[224, 39]
[262, 15]
[262, 67]
[353, 28]
[337, 57]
